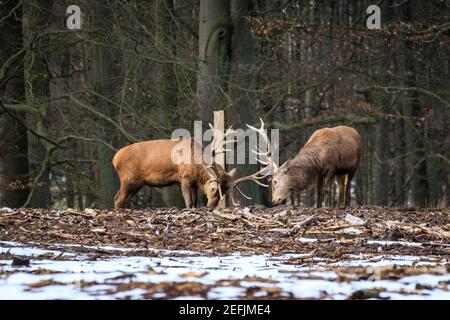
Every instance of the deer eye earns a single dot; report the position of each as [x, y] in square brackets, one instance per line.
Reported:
[275, 182]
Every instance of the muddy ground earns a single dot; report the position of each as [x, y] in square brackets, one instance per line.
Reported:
[303, 237]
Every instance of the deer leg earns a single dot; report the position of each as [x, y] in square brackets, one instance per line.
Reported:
[186, 190]
[194, 190]
[341, 180]
[119, 198]
[126, 192]
[347, 185]
[330, 196]
[319, 192]
[289, 200]
[326, 188]
[328, 185]
[296, 199]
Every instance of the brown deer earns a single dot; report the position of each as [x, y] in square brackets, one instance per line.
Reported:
[160, 163]
[329, 153]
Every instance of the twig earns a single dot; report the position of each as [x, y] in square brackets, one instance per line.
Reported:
[231, 217]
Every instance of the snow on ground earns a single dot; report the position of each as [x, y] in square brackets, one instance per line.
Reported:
[66, 274]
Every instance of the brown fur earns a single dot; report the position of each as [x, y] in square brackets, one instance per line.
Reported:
[150, 163]
[329, 152]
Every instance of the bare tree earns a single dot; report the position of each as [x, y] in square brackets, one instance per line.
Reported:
[13, 143]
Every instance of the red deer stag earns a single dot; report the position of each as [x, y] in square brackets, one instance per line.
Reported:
[152, 163]
[329, 153]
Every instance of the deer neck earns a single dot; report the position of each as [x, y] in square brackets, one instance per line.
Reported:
[203, 176]
[304, 170]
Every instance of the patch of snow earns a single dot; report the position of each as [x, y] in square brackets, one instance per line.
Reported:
[352, 230]
[354, 220]
[306, 240]
[291, 278]
[225, 293]
[131, 294]
[394, 243]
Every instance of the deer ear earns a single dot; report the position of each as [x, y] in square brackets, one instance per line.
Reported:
[232, 173]
[284, 167]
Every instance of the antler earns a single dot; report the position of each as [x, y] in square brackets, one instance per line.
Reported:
[212, 170]
[234, 185]
[215, 177]
[269, 169]
[270, 165]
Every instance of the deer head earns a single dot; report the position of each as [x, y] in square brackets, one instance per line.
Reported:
[219, 180]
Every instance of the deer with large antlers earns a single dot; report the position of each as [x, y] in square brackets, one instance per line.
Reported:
[160, 163]
[328, 154]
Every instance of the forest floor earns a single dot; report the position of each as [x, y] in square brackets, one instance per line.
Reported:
[245, 253]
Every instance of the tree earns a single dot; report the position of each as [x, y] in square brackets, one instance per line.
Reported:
[37, 91]
[227, 74]
[215, 33]
[242, 86]
[103, 76]
[14, 173]
[137, 70]
[383, 138]
[414, 128]
[163, 15]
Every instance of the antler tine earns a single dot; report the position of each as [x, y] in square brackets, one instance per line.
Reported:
[220, 191]
[265, 163]
[259, 175]
[225, 142]
[230, 141]
[259, 153]
[213, 174]
[249, 178]
[254, 177]
[271, 167]
[233, 199]
[229, 130]
[262, 133]
[243, 194]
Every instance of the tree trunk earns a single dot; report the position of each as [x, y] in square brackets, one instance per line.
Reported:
[13, 144]
[447, 167]
[165, 83]
[414, 129]
[399, 172]
[226, 78]
[215, 33]
[382, 130]
[242, 83]
[103, 73]
[361, 176]
[382, 148]
[70, 191]
[435, 131]
[37, 94]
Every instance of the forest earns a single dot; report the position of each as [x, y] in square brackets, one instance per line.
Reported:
[94, 93]
[137, 70]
